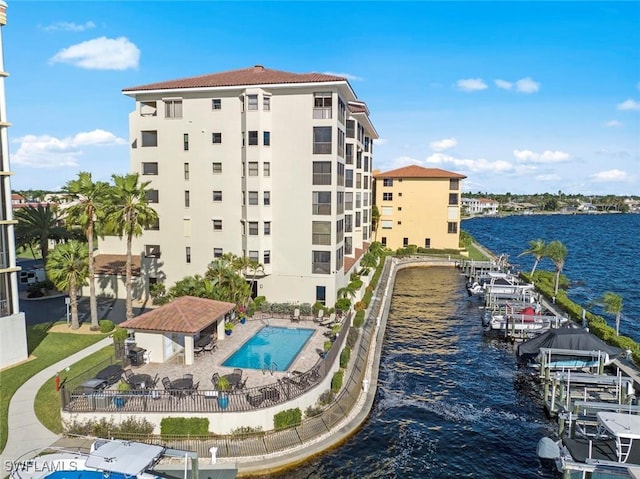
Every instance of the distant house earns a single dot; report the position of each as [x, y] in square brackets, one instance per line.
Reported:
[479, 206]
[587, 207]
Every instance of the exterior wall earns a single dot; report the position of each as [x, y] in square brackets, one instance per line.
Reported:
[110, 286]
[154, 344]
[13, 338]
[288, 274]
[419, 209]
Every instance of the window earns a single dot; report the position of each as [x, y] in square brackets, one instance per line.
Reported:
[153, 196]
[348, 200]
[387, 196]
[351, 129]
[427, 243]
[358, 180]
[321, 203]
[366, 163]
[155, 226]
[188, 254]
[359, 160]
[173, 108]
[149, 138]
[266, 102]
[321, 294]
[348, 245]
[217, 196]
[253, 198]
[357, 219]
[266, 138]
[216, 104]
[266, 169]
[186, 171]
[149, 168]
[254, 256]
[348, 178]
[253, 228]
[322, 105]
[253, 168]
[321, 140]
[217, 225]
[358, 201]
[152, 251]
[252, 102]
[321, 232]
[365, 216]
[253, 138]
[348, 156]
[267, 257]
[321, 172]
[339, 231]
[340, 143]
[342, 110]
[187, 199]
[453, 198]
[340, 174]
[454, 184]
[339, 202]
[321, 262]
[267, 228]
[452, 227]
[405, 242]
[266, 197]
[217, 168]
[339, 258]
[366, 143]
[217, 252]
[216, 137]
[384, 241]
[365, 182]
[386, 224]
[348, 223]
[185, 141]
[148, 108]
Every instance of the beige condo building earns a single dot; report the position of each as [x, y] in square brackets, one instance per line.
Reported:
[271, 165]
[418, 206]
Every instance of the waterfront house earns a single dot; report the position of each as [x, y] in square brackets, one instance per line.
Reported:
[479, 206]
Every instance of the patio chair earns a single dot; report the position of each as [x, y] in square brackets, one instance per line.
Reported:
[127, 374]
[320, 315]
[241, 384]
[154, 381]
[296, 315]
[327, 322]
[166, 382]
[209, 347]
[214, 379]
[191, 392]
[188, 376]
[237, 371]
[255, 398]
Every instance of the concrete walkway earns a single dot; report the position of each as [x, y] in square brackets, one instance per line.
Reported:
[26, 433]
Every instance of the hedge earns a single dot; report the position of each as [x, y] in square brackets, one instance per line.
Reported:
[336, 381]
[287, 418]
[184, 426]
[344, 357]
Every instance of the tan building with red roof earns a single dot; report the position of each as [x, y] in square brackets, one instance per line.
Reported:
[271, 165]
[418, 206]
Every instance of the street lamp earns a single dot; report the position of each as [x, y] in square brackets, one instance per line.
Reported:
[67, 301]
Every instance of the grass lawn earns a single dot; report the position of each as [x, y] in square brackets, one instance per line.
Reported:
[475, 254]
[46, 349]
[47, 395]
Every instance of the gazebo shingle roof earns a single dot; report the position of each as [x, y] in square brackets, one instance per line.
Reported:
[186, 314]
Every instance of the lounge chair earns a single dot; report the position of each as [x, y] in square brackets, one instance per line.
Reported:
[166, 382]
[209, 347]
[296, 315]
[320, 315]
[330, 320]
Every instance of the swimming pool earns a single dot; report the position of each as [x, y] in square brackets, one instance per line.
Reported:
[271, 348]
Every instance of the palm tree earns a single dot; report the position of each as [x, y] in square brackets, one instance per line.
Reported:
[537, 249]
[556, 252]
[375, 219]
[613, 305]
[85, 212]
[68, 270]
[369, 260]
[127, 213]
[376, 248]
[37, 224]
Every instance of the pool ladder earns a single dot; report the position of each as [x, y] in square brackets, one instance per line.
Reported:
[270, 369]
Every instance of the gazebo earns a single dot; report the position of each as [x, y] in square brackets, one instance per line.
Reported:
[172, 329]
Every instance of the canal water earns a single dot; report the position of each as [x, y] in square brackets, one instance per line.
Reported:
[450, 401]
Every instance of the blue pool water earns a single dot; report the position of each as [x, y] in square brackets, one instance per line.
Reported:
[270, 348]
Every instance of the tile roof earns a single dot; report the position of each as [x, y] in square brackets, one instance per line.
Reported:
[186, 314]
[256, 75]
[415, 171]
[114, 264]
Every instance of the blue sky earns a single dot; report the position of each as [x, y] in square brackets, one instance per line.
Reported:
[520, 97]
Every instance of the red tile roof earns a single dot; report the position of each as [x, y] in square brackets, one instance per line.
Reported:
[186, 314]
[358, 107]
[114, 264]
[256, 75]
[415, 171]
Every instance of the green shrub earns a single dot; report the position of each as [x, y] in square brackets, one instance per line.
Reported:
[313, 411]
[344, 357]
[287, 418]
[327, 345]
[336, 381]
[356, 283]
[343, 304]
[106, 326]
[104, 428]
[120, 334]
[184, 426]
[246, 430]
[358, 321]
[326, 398]
[317, 306]
[352, 337]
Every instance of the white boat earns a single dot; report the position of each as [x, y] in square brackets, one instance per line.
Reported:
[113, 459]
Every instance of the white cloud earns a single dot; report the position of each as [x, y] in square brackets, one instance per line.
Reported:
[471, 84]
[548, 177]
[45, 151]
[505, 85]
[444, 144]
[475, 165]
[613, 123]
[610, 175]
[527, 85]
[615, 154]
[628, 104]
[69, 27]
[547, 156]
[348, 76]
[100, 54]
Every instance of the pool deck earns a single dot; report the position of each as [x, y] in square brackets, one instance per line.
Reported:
[207, 363]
